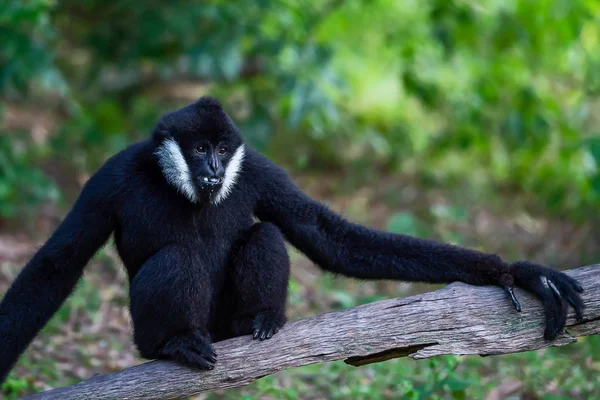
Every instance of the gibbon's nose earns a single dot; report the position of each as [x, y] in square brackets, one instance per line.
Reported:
[214, 166]
[215, 169]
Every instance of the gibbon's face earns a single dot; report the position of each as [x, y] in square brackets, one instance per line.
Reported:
[200, 151]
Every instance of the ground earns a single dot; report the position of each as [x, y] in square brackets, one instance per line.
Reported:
[92, 333]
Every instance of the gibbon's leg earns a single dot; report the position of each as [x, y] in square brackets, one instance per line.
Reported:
[170, 306]
[260, 270]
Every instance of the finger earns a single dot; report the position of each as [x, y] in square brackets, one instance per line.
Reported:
[203, 363]
[202, 343]
[561, 313]
[578, 308]
[576, 302]
[551, 311]
[570, 293]
[554, 289]
[194, 359]
[575, 284]
[212, 358]
[552, 320]
[263, 335]
[270, 334]
[256, 334]
[511, 293]
[562, 316]
[560, 306]
[556, 324]
[551, 303]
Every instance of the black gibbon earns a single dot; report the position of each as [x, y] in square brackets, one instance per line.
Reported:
[182, 208]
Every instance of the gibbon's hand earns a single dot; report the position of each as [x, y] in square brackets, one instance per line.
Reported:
[555, 289]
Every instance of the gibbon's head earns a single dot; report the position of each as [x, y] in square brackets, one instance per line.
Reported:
[200, 151]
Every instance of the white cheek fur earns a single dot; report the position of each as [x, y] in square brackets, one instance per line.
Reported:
[231, 174]
[175, 169]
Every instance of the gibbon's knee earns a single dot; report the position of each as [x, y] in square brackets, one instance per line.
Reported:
[165, 301]
[262, 250]
[260, 273]
[260, 270]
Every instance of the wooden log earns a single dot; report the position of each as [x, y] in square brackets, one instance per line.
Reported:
[458, 319]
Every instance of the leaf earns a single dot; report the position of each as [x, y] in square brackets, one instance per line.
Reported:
[593, 145]
[595, 183]
[343, 299]
[459, 395]
[230, 61]
[404, 223]
[455, 384]
[298, 101]
[454, 214]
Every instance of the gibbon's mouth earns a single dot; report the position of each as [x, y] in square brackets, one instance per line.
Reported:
[213, 180]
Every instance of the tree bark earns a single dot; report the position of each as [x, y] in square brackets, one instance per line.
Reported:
[458, 319]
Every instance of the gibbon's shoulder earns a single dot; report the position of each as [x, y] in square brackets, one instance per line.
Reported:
[258, 165]
[122, 170]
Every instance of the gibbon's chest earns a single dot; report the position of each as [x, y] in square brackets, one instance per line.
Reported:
[152, 215]
[151, 221]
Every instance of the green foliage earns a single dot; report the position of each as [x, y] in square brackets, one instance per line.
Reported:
[493, 96]
[554, 373]
[406, 224]
[406, 379]
[27, 54]
[13, 386]
[493, 93]
[21, 185]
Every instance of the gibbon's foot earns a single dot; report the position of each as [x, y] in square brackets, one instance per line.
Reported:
[555, 290]
[265, 325]
[192, 349]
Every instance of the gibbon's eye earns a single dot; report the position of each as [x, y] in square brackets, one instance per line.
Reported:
[222, 151]
[201, 149]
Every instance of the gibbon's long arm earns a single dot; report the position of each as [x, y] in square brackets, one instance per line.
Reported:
[48, 279]
[353, 250]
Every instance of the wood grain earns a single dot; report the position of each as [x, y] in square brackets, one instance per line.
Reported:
[458, 319]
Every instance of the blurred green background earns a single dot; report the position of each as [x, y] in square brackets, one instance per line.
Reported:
[473, 122]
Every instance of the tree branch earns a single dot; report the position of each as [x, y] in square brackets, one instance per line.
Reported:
[458, 319]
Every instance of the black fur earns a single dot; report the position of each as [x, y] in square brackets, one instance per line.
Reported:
[202, 272]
